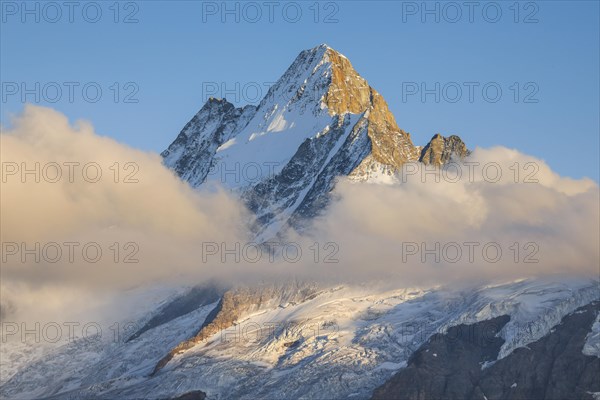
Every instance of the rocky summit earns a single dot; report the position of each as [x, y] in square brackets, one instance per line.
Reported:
[319, 121]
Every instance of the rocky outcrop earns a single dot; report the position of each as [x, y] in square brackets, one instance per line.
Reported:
[461, 364]
[193, 299]
[554, 367]
[239, 302]
[441, 150]
[448, 364]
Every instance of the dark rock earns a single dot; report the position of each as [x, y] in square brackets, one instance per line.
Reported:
[194, 395]
[295, 343]
[448, 364]
[553, 367]
[197, 297]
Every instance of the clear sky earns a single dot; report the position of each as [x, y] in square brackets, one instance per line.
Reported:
[169, 56]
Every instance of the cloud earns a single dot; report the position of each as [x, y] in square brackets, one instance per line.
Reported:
[497, 200]
[407, 233]
[136, 203]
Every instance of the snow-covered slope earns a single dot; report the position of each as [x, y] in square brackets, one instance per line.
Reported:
[342, 342]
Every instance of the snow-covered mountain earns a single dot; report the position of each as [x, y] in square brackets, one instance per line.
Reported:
[308, 340]
[319, 121]
[337, 342]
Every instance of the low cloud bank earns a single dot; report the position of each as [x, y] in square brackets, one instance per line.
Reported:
[85, 217]
[499, 215]
[69, 194]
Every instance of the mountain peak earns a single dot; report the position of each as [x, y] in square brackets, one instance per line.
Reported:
[324, 49]
[319, 121]
[322, 46]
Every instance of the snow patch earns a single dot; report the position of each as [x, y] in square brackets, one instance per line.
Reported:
[592, 342]
[226, 145]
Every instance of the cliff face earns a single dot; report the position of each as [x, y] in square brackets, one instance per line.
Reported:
[350, 93]
[440, 150]
[461, 364]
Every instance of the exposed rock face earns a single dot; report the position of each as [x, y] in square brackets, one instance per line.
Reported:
[241, 301]
[319, 121]
[391, 145]
[451, 366]
[554, 367]
[350, 93]
[446, 366]
[301, 189]
[192, 153]
[197, 297]
[440, 150]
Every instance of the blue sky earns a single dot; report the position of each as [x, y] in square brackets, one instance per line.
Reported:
[543, 56]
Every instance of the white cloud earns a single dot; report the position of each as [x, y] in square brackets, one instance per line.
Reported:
[371, 224]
